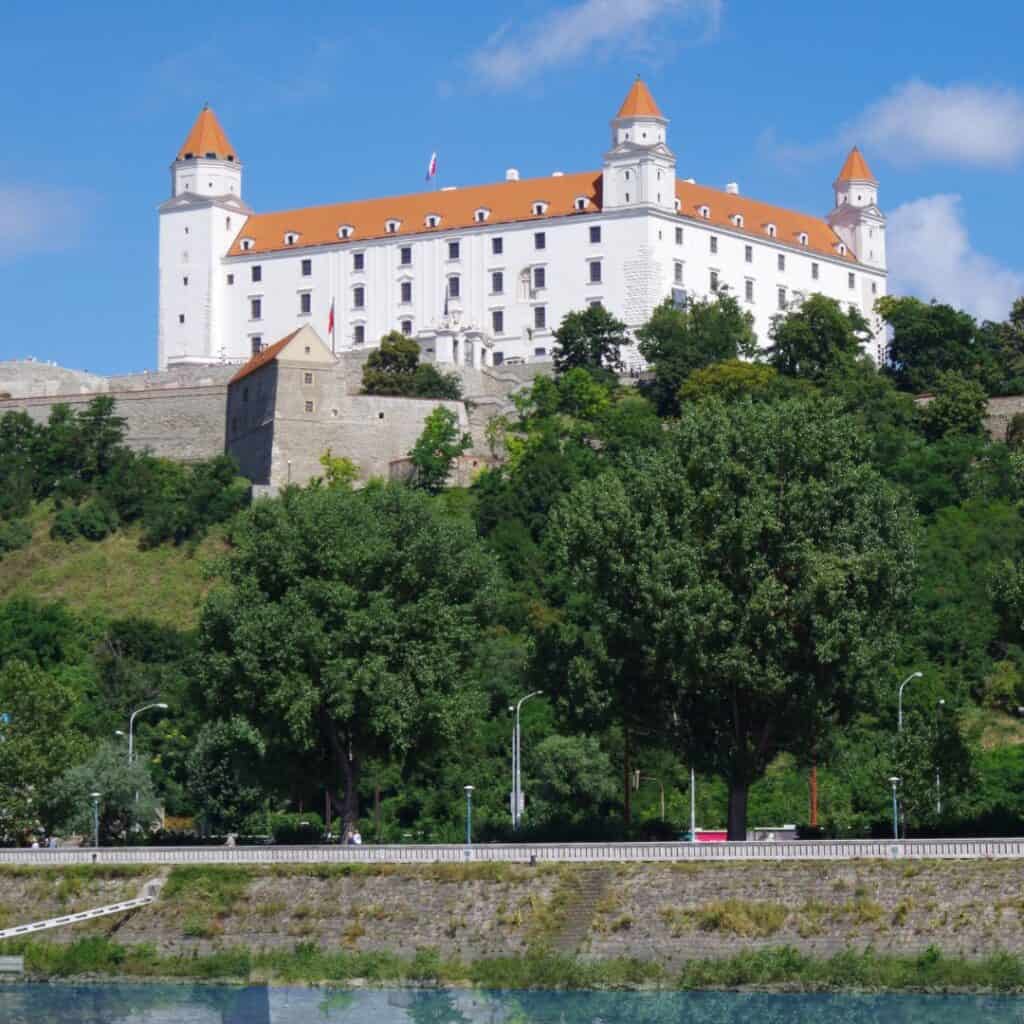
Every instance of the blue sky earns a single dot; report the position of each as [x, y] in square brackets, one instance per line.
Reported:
[332, 102]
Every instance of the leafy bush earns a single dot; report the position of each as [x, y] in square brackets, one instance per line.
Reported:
[14, 534]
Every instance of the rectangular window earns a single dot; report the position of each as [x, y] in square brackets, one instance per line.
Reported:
[677, 272]
[256, 344]
[782, 261]
[782, 298]
[499, 358]
[750, 291]
[595, 272]
[851, 280]
[358, 260]
[540, 240]
[257, 273]
[307, 377]
[749, 254]
[305, 303]
[540, 351]
[407, 327]
[497, 282]
[407, 291]
[497, 321]
[595, 233]
[539, 277]
[184, 281]
[679, 236]
[814, 271]
[359, 297]
[453, 250]
[309, 407]
[714, 280]
[454, 287]
[405, 256]
[307, 268]
[497, 246]
[181, 318]
[714, 243]
[540, 317]
[874, 287]
[231, 278]
[358, 334]
[255, 309]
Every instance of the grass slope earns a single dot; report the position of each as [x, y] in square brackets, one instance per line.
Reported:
[112, 578]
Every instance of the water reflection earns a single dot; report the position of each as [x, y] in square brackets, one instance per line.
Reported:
[183, 1004]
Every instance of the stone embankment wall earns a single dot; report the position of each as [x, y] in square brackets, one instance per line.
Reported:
[667, 913]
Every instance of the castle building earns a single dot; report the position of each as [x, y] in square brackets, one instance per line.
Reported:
[483, 275]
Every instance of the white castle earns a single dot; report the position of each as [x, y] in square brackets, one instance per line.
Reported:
[483, 275]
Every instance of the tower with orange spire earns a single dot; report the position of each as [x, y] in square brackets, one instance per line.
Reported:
[639, 170]
[198, 223]
[856, 217]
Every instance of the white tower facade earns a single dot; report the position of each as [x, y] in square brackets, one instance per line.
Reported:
[197, 225]
[857, 218]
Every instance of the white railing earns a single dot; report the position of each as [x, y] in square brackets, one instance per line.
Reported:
[941, 849]
[84, 915]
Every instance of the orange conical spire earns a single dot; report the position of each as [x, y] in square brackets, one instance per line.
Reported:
[856, 168]
[639, 102]
[207, 139]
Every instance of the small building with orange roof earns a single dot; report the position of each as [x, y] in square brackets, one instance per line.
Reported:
[483, 274]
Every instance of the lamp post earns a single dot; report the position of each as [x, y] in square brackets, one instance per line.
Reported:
[469, 818]
[899, 713]
[693, 805]
[517, 783]
[938, 774]
[95, 819]
[894, 781]
[131, 727]
[661, 787]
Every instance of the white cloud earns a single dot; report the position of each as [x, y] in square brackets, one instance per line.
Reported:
[930, 255]
[35, 218]
[917, 122]
[568, 34]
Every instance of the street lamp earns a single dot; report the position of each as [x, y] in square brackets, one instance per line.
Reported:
[131, 727]
[517, 784]
[95, 819]
[469, 817]
[894, 781]
[938, 774]
[899, 714]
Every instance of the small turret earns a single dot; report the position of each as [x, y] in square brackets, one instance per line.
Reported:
[856, 217]
[206, 164]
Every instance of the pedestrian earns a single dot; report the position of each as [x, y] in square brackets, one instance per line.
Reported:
[349, 838]
[357, 839]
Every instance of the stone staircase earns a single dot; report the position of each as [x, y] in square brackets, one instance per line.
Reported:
[593, 884]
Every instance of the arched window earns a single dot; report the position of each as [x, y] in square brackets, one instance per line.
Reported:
[803, 238]
[433, 220]
[481, 214]
[705, 212]
[737, 219]
[345, 231]
[772, 230]
[247, 243]
[392, 226]
[291, 238]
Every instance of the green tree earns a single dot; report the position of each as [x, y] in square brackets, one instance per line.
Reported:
[574, 781]
[436, 450]
[101, 434]
[590, 339]
[338, 470]
[735, 587]
[394, 368]
[223, 775]
[958, 408]
[730, 381]
[816, 339]
[345, 626]
[677, 342]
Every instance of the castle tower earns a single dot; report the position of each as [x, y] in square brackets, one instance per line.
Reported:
[639, 169]
[856, 218]
[197, 226]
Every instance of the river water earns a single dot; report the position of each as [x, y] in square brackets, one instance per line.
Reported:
[211, 1004]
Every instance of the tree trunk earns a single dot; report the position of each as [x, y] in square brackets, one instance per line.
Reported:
[738, 810]
[350, 812]
[627, 781]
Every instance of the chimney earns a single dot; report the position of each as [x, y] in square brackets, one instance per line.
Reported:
[732, 188]
[690, 181]
[449, 188]
[512, 174]
[557, 174]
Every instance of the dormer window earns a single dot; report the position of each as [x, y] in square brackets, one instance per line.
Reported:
[247, 244]
[540, 208]
[345, 231]
[803, 239]
[842, 248]
[481, 215]
[433, 220]
[291, 238]
[737, 219]
[772, 230]
[704, 211]
[392, 226]
[581, 202]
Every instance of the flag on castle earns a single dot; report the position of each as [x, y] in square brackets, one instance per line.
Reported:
[432, 167]
[330, 324]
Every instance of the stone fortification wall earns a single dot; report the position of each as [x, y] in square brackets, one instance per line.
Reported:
[667, 913]
[24, 377]
[1000, 412]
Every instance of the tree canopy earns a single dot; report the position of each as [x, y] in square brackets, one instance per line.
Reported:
[394, 368]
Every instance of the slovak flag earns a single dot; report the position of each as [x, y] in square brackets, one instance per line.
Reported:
[330, 319]
[432, 167]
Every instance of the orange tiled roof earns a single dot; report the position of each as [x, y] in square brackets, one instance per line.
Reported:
[639, 102]
[207, 137]
[510, 202]
[856, 168]
[268, 355]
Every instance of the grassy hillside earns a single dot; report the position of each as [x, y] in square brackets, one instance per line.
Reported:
[111, 578]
